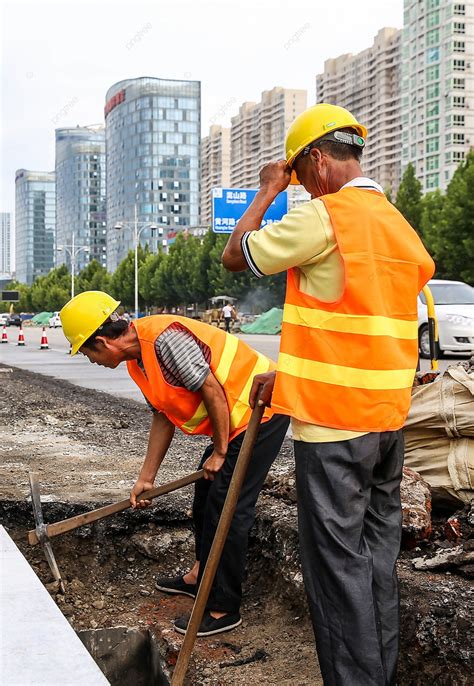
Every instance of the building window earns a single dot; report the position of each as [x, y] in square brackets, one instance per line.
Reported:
[432, 19]
[459, 84]
[432, 37]
[459, 46]
[432, 145]
[459, 65]
[458, 120]
[432, 127]
[458, 139]
[432, 55]
[432, 4]
[460, 9]
[432, 163]
[432, 73]
[459, 101]
[459, 27]
[432, 109]
[432, 180]
[432, 91]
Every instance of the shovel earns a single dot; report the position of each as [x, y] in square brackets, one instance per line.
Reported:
[44, 532]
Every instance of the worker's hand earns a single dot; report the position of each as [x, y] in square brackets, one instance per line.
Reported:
[139, 487]
[212, 465]
[267, 381]
[275, 177]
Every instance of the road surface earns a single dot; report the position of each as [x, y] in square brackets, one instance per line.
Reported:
[57, 363]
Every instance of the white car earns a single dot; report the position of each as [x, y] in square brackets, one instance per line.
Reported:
[55, 320]
[454, 307]
[4, 319]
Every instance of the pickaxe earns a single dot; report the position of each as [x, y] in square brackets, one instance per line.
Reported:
[44, 532]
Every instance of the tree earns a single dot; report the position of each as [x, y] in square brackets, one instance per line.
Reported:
[409, 199]
[452, 237]
[52, 291]
[94, 277]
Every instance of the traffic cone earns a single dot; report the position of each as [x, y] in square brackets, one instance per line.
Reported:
[21, 337]
[44, 340]
[4, 335]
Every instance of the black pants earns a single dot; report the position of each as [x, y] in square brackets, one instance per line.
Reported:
[227, 321]
[209, 497]
[349, 516]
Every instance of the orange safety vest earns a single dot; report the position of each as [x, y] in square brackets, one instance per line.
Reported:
[233, 363]
[350, 364]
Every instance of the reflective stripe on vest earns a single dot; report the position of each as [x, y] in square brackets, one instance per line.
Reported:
[233, 363]
[350, 364]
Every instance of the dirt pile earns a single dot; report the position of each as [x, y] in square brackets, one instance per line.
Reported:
[88, 448]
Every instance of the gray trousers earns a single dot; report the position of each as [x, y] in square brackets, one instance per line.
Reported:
[349, 517]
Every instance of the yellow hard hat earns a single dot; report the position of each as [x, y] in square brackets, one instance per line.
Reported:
[83, 315]
[314, 123]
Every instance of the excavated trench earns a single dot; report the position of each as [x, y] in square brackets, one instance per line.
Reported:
[126, 625]
[87, 448]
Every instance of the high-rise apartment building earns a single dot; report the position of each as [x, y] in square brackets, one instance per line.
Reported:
[368, 84]
[5, 245]
[35, 223]
[80, 194]
[258, 134]
[215, 167]
[153, 129]
[437, 121]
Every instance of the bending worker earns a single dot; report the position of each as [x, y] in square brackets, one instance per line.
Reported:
[195, 377]
[348, 354]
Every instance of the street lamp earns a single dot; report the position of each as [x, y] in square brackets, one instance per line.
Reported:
[73, 251]
[136, 236]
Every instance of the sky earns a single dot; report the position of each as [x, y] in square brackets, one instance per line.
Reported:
[59, 58]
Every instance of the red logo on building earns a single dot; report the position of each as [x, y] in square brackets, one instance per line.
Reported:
[114, 101]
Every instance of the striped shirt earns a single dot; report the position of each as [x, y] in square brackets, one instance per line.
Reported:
[184, 360]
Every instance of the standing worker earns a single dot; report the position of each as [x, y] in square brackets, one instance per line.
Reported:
[228, 313]
[348, 354]
[197, 378]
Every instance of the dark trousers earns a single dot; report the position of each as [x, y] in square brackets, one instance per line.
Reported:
[209, 497]
[349, 516]
[227, 321]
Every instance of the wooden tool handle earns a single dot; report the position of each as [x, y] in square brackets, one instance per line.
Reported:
[225, 520]
[113, 508]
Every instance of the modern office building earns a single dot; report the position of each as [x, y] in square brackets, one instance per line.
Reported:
[80, 195]
[5, 245]
[35, 224]
[258, 133]
[368, 84]
[437, 120]
[215, 167]
[153, 129]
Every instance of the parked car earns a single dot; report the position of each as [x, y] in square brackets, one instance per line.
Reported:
[454, 306]
[14, 319]
[55, 320]
[4, 319]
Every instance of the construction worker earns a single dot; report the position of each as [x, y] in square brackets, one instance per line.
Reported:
[195, 377]
[348, 354]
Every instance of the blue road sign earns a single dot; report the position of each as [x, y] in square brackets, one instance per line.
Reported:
[229, 204]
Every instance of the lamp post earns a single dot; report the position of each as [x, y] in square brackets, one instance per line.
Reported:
[73, 251]
[136, 237]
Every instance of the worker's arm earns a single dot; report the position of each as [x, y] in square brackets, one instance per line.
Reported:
[214, 399]
[274, 178]
[161, 434]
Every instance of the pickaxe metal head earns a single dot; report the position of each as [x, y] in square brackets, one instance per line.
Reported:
[41, 530]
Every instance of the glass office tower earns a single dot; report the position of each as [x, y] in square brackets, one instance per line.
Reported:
[35, 224]
[153, 154]
[80, 194]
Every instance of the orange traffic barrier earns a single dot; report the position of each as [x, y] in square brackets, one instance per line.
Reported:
[4, 334]
[21, 337]
[44, 340]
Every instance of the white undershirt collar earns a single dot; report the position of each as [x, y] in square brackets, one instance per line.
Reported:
[363, 182]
